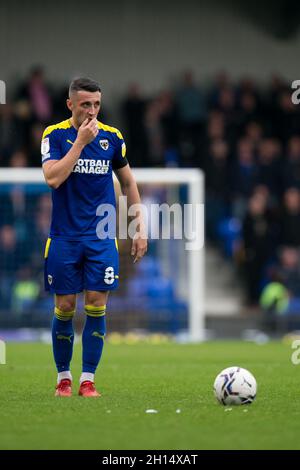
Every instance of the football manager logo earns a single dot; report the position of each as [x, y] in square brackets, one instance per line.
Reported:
[91, 166]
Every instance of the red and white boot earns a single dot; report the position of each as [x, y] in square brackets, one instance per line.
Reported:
[88, 389]
[64, 388]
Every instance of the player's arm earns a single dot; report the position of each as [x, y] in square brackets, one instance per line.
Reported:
[129, 188]
[57, 171]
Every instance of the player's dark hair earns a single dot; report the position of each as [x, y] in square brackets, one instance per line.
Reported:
[86, 84]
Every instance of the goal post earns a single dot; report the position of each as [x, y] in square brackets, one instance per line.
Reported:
[182, 267]
[194, 179]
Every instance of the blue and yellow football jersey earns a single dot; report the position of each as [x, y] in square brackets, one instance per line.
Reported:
[75, 202]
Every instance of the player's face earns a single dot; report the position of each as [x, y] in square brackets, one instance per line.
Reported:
[84, 105]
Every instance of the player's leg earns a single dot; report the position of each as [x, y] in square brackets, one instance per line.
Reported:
[101, 274]
[64, 278]
[92, 340]
[62, 341]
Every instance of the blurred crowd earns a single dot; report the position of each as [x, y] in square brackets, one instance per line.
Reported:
[25, 217]
[245, 136]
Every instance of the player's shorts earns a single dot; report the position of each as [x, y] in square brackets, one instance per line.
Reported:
[74, 266]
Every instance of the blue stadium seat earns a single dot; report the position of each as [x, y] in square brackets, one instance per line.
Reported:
[149, 267]
[230, 231]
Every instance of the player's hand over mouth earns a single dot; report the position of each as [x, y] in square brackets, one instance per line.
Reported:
[87, 131]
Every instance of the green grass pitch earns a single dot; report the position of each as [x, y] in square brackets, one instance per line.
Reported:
[164, 377]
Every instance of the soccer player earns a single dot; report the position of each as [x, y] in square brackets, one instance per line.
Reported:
[79, 156]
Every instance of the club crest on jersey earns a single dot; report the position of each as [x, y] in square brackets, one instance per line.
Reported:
[50, 279]
[104, 144]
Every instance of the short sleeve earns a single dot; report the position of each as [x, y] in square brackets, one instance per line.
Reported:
[50, 146]
[119, 158]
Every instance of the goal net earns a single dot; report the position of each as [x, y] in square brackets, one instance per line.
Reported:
[163, 293]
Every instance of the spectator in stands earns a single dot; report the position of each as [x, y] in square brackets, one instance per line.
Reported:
[248, 108]
[10, 260]
[288, 271]
[259, 245]
[216, 128]
[287, 117]
[244, 177]
[254, 132]
[217, 187]
[19, 159]
[292, 165]
[25, 291]
[191, 107]
[154, 133]
[220, 81]
[269, 166]
[39, 230]
[227, 104]
[38, 93]
[134, 111]
[276, 87]
[290, 218]
[12, 133]
[35, 144]
[169, 126]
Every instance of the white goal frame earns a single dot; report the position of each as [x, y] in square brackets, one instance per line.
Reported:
[194, 179]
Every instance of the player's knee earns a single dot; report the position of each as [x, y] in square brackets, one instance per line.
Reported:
[95, 311]
[66, 305]
[64, 312]
[96, 299]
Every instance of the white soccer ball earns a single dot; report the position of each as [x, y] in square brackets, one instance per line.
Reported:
[235, 386]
